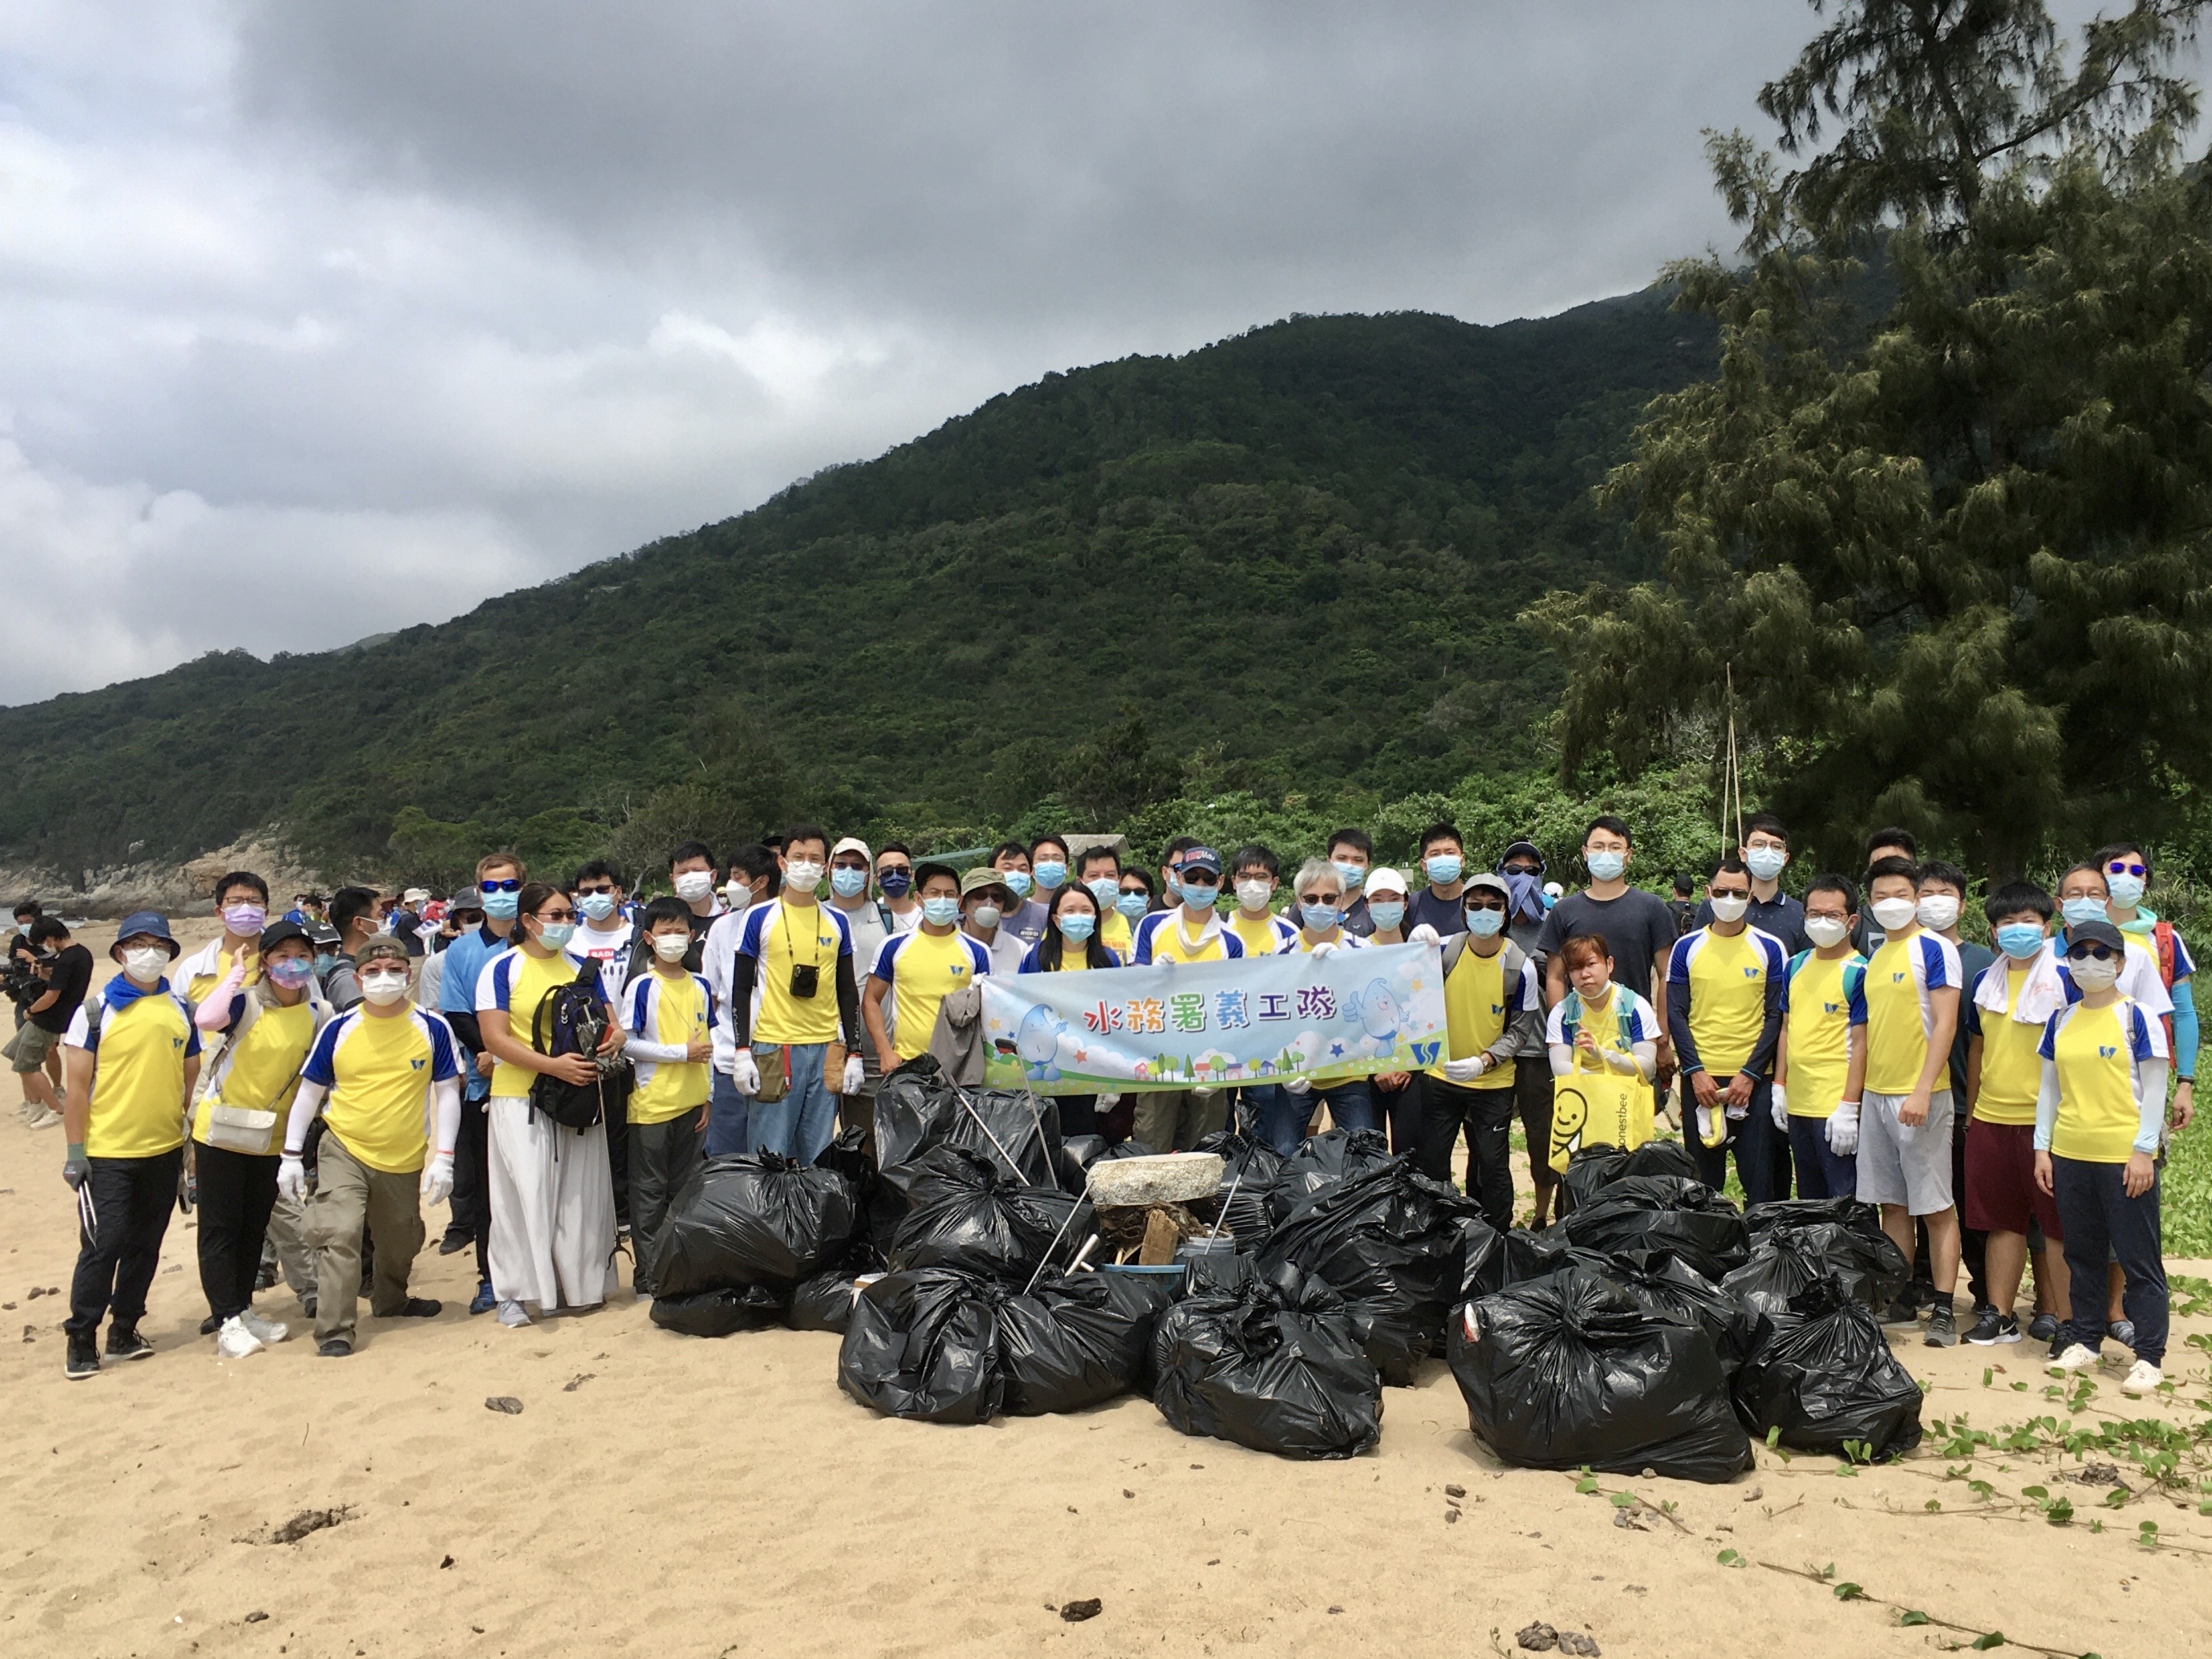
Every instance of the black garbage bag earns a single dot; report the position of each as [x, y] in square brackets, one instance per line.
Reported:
[718, 1313]
[1251, 1170]
[1763, 1218]
[1666, 1284]
[758, 1219]
[923, 1345]
[1521, 1255]
[1483, 1259]
[918, 1108]
[1075, 1341]
[1591, 1169]
[1078, 1152]
[824, 1303]
[1392, 1243]
[1277, 1367]
[1321, 1161]
[1662, 1213]
[1822, 1373]
[966, 1212]
[1788, 1258]
[1571, 1370]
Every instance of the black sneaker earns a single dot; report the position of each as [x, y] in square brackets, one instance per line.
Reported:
[2043, 1327]
[124, 1342]
[454, 1243]
[1942, 1326]
[337, 1348]
[418, 1307]
[211, 1325]
[83, 1359]
[307, 1305]
[1993, 1328]
[1903, 1312]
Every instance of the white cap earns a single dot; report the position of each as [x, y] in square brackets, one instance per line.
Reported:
[853, 844]
[1386, 878]
[1553, 889]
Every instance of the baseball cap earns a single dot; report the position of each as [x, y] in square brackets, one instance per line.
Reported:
[2094, 933]
[1382, 876]
[377, 949]
[1491, 882]
[853, 844]
[1202, 859]
[276, 933]
[1522, 849]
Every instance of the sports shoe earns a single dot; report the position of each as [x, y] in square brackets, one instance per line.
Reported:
[2141, 1380]
[211, 1325]
[1942, 1326]
[2078, 1357]
[124, 1342]
[511, 1314]
[83, 1359]
[41, 1117]
[484, 1301]
[1902, 1313]
[308, 1304]
[417, 1307]
[1993, 1328]
[267, 1332]
[336, 1347]
[234, 1341]
[454, 1243]
[2124, 1333]
[2043, 1327]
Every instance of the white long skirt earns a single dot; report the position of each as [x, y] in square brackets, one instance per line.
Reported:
[552, 1210]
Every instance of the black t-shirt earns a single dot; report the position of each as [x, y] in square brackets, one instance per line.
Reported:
[1636, 926]
[71, 975]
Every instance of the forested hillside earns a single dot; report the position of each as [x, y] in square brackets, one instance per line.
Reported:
[1287, 564]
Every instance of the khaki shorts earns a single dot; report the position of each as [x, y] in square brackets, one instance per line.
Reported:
[29, 1049]
[1898, 1164]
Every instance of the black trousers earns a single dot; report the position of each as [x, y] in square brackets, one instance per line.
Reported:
[471, 1205]
[237, 1192]
[1532, 1099]
[617, 1111]
[661, 1156]
[1487, 1115]
[119, 1242]
[1401, 1110]
[1078, 1115]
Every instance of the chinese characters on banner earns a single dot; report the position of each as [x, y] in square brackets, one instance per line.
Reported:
[1215, 1025]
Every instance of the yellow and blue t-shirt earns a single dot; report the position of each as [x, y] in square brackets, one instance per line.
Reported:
[1160, 936]
[1816, 1012]
[1620, 1022]
[1263, 936]
[1481, 1000]
[779, 936]
[1897, 1008]
[514, 983]
[139, 1053]
[671, 1010]
[260, 1069]
[1725, 991]
[381, 1071]
[2012, 1064]
[2093, 1074]
[921, 970]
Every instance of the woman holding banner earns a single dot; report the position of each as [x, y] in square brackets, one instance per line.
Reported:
[1604, 1044]
[1071, 943]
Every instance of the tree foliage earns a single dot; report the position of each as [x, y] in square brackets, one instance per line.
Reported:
[1944, 510]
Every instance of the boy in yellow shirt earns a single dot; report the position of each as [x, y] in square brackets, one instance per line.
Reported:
[670, 1015]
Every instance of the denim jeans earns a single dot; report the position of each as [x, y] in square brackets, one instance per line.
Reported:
[2102, 1222]
[805, 1122]
[1284, 1117]
[1821, 1173]
[727, 1119]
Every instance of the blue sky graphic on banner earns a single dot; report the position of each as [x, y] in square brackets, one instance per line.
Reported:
[1208, 1024]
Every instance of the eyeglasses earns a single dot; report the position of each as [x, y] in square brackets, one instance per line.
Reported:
[556, 915]
[1320, 898]
[508, 885]
[604, 887]
[2084, 951]
[2122, 867]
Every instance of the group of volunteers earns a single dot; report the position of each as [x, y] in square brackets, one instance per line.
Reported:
[328, 1073]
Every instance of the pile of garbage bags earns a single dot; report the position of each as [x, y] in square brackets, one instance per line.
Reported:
[743, 1234]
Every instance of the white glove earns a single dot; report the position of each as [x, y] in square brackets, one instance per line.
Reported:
[292, 1178]
[1464, 1070]
[1105, 1101]
[1326, 948]
[1705, 1136]
[1781, 1108]
[1298, 1085]
[1423, 934]
[855, 1074]
[438, 1178]
[1843, 1129]
[744, 1073]
[1734, 1113]
[1161, 961]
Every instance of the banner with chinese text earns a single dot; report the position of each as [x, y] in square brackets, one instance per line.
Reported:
[1215, 1025]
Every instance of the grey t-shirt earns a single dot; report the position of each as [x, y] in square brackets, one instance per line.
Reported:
[1636, 926]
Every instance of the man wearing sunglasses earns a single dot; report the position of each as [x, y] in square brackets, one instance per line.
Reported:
[1724, 984]
[2127, 873]
[500, 877]
[1490, 1001]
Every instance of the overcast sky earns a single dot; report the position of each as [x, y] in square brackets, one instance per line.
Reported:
[317, 320]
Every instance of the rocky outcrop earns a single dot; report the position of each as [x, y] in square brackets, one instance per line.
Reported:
[186, 889]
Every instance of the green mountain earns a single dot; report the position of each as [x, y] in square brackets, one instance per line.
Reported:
[1296, 554]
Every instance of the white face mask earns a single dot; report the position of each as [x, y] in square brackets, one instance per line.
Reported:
[738, 894]
[670, 947]
[1895, 913]
[695, 885]
[2091, 974]
[1729, 907]
[383, 989]
[145, 962]
[801, 878]
[1939, 911]
[987, 916]
[1826, 931]
[1254, 895]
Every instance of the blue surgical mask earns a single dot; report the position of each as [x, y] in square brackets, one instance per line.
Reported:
[2127, 890]
[941, 911]
[1051, 875]
[556, 935]
[1132, 905]
[1386, 914]
[2079, 910]
[1350, 874]
[1485, 924]
[1606, 865]
[2021, 940]
[1172, 881]
[895, 884]
[502, 906]
[1105, 889]
[598, 906]
[1764, 863]
[1078, 926]
[1444, 869]
[1320, 918]
[848, 884]
[1201, 893]
[1017, 881]
[325, 961]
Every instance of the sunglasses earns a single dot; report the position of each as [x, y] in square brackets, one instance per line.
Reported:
[1490, 903]
[2121, 867]
[508, 885]
[556, 915]
[1320, 898]
[607, 887]
[2083, 952]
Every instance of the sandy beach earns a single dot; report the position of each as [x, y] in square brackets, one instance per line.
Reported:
[665, 1496]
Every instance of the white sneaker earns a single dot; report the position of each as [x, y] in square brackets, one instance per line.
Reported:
[2143, 1379]
[234, 1341]
[511, 1314]
[2078, 1357]
[40, 1117]
[267, 1332]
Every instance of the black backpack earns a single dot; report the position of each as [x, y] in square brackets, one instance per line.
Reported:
[571, 1019]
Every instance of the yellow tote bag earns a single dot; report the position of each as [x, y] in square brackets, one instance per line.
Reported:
[1598, 1108]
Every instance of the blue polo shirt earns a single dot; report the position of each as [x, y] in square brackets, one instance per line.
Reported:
[457, 994]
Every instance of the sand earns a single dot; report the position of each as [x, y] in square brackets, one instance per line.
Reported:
[671, 1496]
